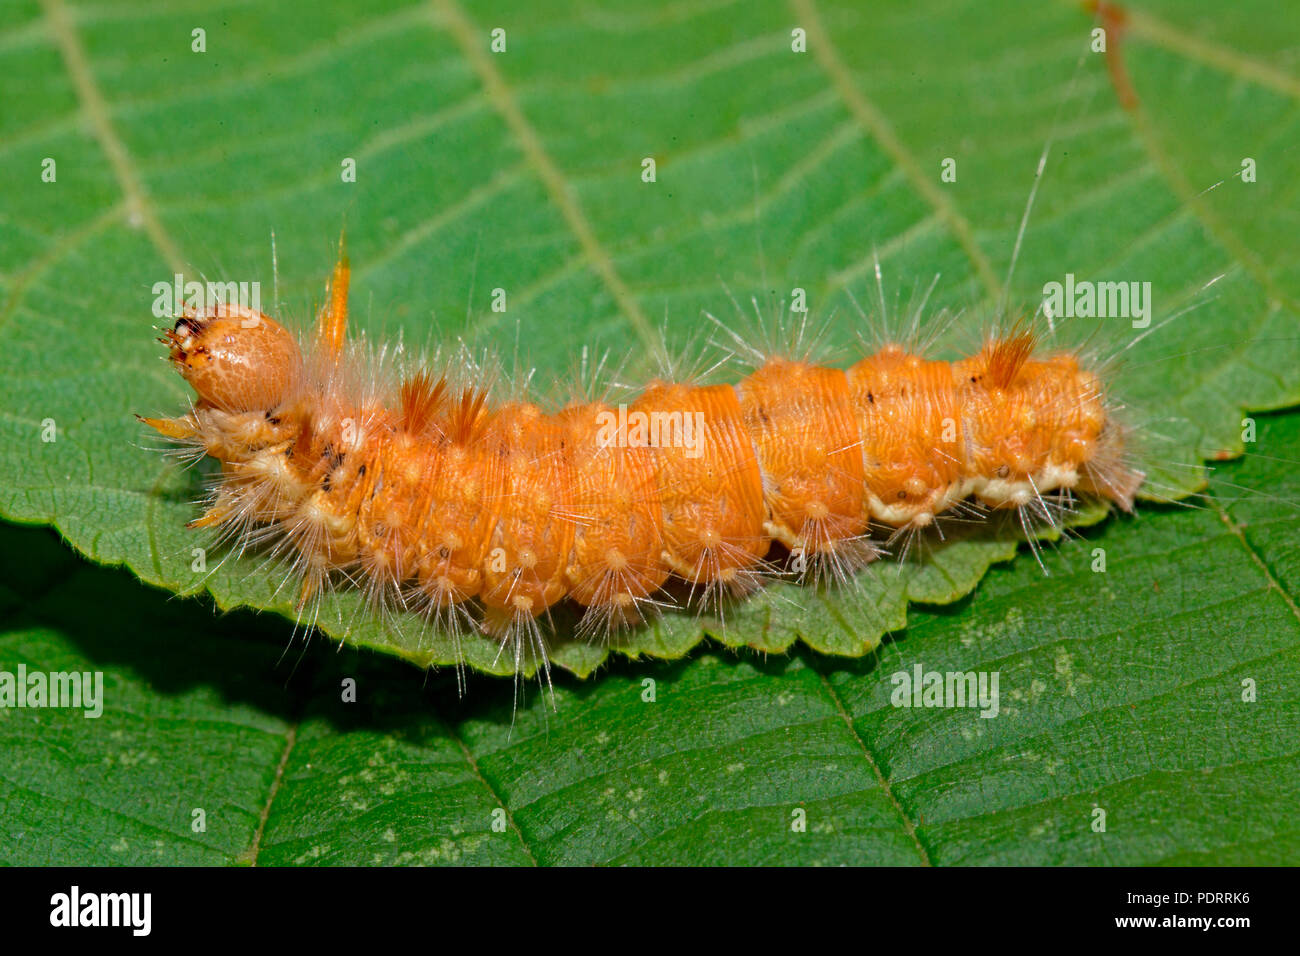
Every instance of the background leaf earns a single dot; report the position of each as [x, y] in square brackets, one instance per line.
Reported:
[1120, 691]
[776, 170]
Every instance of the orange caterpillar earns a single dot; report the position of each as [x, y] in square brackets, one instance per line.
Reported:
[432, 496]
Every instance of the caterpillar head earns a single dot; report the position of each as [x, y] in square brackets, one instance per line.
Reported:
[237, 359]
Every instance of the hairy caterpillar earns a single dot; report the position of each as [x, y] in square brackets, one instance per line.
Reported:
[430, 495]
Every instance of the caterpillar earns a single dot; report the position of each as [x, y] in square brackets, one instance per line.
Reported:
[423, 490]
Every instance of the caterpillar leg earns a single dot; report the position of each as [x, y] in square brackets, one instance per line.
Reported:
[217, 514]
[310, 585]
[178, 428]
[332, 323]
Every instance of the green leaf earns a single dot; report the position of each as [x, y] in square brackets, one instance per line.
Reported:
[522, 170]
[1121, 691]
